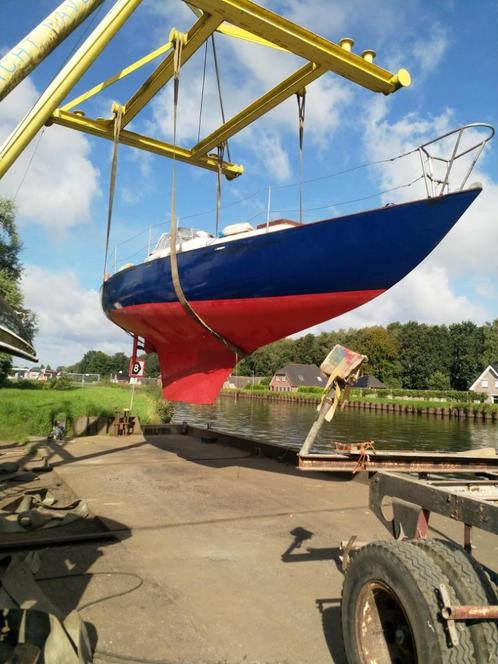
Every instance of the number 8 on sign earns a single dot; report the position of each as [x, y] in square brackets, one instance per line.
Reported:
[137, 368]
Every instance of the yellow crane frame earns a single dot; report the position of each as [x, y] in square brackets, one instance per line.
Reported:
[242, 19]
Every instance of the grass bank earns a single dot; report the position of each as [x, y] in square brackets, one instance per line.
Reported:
[25, 412]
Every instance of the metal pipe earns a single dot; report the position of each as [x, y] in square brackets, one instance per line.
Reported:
[30, 51]
[466, 612]
[65, 80]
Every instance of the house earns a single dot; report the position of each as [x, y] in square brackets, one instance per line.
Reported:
[487, 382]
[370, 382]
[294, 376]
[18, 373]
[239, 382]
[47, 374]
[121, 377]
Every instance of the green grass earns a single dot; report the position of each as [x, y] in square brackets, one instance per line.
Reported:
[416, 403]
[32, 412]
[430, 403]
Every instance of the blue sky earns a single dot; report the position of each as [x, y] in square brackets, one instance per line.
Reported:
[450, 49]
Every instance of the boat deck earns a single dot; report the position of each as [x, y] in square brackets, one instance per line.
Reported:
[223, 556]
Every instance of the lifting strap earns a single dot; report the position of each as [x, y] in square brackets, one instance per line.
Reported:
[178, 41]
[221, 152]
[118, 116]
[301, 105]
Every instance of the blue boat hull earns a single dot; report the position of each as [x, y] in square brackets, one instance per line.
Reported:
[257, 289]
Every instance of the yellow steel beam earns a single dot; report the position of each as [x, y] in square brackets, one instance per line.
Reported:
[196, 36]
[276, 29]
[17, 63]
[64, 81]
[275, 96]
[117, 77]
[238, 33]
[105, 129]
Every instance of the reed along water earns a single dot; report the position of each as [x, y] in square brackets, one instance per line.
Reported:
[287, 423]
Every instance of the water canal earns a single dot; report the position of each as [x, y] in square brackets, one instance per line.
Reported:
[287, 423]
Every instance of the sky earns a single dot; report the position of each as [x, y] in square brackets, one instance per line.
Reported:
[60, 183]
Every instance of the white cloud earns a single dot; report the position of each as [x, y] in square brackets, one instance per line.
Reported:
[273, 156]
[61, 182]
[470, 248]
[429, 50]
[463, 267]
[425, 295]
[70, 318]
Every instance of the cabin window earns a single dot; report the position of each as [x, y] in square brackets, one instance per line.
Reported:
[484, 383]
[301, 378]
[496, 383]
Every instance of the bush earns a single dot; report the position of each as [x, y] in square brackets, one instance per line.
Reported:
[24, 385]
[254, 388]
[310, 390]
[165, 411]
[62, 383]
[446, 395]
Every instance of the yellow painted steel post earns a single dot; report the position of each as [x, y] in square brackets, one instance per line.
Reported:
[30, 51]
[64, 82]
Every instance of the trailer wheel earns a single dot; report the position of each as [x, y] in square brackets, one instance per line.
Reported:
[472, 586]
[391, 609]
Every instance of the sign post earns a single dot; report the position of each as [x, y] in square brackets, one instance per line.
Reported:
[135, 370]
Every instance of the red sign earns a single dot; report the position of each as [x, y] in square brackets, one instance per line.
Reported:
[136, 369]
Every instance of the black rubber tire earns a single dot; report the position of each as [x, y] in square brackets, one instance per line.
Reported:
[472, 586]
[391, 609]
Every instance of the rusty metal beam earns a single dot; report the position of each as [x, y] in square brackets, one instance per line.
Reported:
[417, 462]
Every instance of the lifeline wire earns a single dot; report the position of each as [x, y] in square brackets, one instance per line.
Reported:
[260, 212]
[287, 186]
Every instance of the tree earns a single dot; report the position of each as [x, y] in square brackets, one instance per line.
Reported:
[382, 349]
[10, 244]
[439, 381]
[152, 368]
[10, 276]
[467, 350]
[415, 365]
[490, 343]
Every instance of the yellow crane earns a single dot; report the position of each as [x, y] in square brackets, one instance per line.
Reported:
[241, 19]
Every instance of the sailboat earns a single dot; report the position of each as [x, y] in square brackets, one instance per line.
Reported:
[202, 302]
[254, 286]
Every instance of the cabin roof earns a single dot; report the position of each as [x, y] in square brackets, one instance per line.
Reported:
[369, 381]
[308, 375]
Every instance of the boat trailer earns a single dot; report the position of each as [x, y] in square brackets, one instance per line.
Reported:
[416, 599]
[398, 596]
[413, 599]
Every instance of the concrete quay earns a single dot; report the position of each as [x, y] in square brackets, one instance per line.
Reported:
[222, 556]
